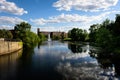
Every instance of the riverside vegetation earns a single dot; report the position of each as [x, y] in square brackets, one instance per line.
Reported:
[22, 32]
[105, 35]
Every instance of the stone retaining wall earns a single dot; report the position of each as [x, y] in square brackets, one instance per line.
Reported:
[9, 46]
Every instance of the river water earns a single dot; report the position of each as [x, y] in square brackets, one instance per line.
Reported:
[55, 60]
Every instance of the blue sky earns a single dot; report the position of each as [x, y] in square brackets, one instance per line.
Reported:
[57, 15]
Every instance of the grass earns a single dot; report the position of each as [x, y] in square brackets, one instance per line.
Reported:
[67, 39]
[21, 43]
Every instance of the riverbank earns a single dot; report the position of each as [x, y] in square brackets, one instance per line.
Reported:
[7, 47]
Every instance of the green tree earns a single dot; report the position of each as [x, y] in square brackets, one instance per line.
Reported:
[62, 36]
[21, 29]
[22, 32]
[73, 34]
[23, 26]
[117, 25]
[42, 36]
[104, 38]
[107, 35]
[31, 39]
[5, 34]
[93, 30]
[77, 34]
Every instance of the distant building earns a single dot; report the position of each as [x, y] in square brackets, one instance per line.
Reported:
[53, 34]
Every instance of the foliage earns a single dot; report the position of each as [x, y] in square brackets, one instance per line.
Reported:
[31, 39]
[41, 36]
[77, 34]
[22, 32]
[21, 43]
[107, 35]
[75, 48]
[5, 34]
[55, 37]
[67, 39]
[21, 29]
[62, 36]
[93, 31]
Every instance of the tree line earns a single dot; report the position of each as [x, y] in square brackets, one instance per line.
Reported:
[105, 35]
[22, 32]
[77, 34]
[5, 34]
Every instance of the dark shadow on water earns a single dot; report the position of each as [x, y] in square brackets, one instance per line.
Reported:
[107, 60]
[27, 69]
[8, 65]
[75, 48]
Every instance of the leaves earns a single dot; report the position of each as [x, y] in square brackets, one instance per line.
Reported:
[22, 31]
[77, 34]
[107, 34]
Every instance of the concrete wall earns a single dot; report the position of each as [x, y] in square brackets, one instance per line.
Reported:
[9, 46]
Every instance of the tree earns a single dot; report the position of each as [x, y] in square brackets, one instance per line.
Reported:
[93, 30]
[22, 32]
[23, 26]
[62, 36]
[5, 34]
[117, 25]
[21, 29]
[104, 38]
[77, 34]
[31, 39]
[41, 36]
[107, 35]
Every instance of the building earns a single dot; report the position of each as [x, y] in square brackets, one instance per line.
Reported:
[53, 34]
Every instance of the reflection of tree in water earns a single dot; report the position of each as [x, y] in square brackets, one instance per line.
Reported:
[25, 64]
[107, 60]
[75, 48]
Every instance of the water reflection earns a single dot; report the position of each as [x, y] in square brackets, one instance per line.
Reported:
[109, 63]
[56, 60]
[84, 66]
[78, 51]
[79, 71]
[75, 48]
[8, 64]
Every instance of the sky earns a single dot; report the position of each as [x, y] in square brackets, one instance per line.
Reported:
[57, 15]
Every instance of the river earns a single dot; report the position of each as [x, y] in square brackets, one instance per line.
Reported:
[55, 60]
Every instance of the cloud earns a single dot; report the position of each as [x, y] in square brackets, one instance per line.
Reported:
[11, 7]
[68, 18]
[54, 28]
[84, 5]
[85, 71]
[10, 20]
[6, 27]
[65, 22]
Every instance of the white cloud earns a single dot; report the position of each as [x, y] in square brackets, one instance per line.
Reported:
[54, 28]
[8, 27]
[84, 5]
[10, 20]
[68, 18]
[85, 71]
[11, 7]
